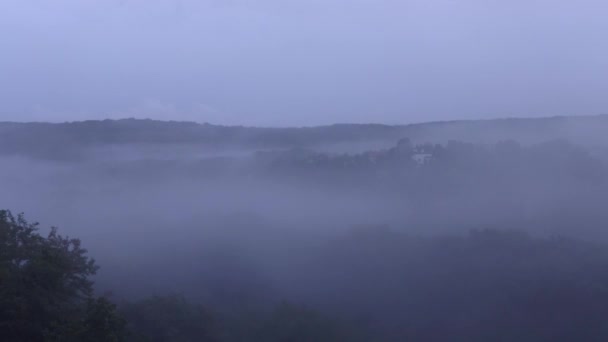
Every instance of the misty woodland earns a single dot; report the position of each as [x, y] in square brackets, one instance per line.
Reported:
[173, 231]
[303, 171]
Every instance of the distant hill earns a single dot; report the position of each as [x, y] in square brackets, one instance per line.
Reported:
[69, 140]
[587, 130]
[127, 131]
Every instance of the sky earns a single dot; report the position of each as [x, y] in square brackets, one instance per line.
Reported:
[302, 62]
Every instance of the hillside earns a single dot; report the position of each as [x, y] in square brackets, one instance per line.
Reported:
[71, 140]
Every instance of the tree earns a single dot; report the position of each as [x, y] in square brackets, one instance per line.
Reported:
[45, 288]
[294, 323]
[170, 318]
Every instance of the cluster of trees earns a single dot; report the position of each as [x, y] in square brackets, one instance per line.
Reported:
[489, 285]
[68, 141]
[556, 183]
[503, 159]
[46, 294]
[373, 284]
[451, 270]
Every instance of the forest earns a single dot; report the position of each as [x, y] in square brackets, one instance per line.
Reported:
[303, 171]
[369, 237]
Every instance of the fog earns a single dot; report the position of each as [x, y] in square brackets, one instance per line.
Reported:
[303, 171]
[363, 229]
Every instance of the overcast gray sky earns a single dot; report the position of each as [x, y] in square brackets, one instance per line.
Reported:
[302, 62]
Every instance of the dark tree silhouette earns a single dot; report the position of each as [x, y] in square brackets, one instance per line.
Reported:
[45, 289]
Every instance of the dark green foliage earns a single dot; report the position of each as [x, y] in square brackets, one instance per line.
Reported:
[102, 322]
[298, 324]
[173, 318]
[46, 295]
[99, 322]
[45, 290]
[488, 286]
[170, 319]
[288, 322]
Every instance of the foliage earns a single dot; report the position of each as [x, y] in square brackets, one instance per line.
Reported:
[294, 323]
[487, 286]
[45, 287]
[169, 318]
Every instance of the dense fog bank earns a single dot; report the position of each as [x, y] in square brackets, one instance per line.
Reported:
[393, 241]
